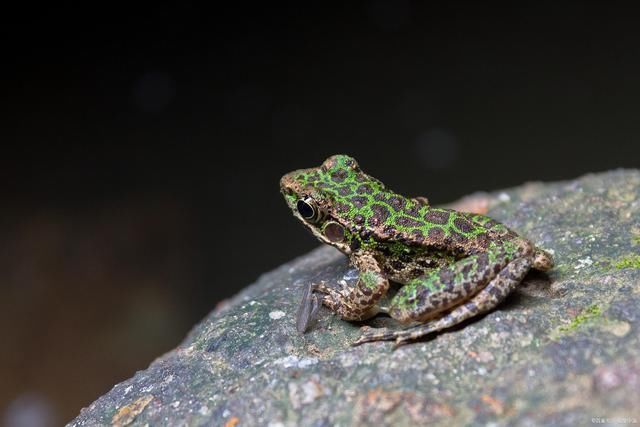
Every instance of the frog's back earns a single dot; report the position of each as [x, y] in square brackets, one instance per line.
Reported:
[416, 224]
[378, 214]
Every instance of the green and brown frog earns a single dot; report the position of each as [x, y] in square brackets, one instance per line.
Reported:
[453, 265]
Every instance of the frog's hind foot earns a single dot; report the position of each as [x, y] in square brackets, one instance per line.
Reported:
[401, 336]
[375, 334]
[542, 260]
[485, 300]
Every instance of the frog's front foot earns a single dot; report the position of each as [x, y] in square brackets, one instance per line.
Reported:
[332, 297]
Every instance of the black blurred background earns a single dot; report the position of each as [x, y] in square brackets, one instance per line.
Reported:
[141, 157]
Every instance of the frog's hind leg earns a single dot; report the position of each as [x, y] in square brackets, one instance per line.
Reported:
[489, 297]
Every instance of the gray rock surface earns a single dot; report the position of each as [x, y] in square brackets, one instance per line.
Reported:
[564, 349]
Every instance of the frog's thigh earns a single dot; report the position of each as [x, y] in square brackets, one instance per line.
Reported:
[489, 297]
[424, 297]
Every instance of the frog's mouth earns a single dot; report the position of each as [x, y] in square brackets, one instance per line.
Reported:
[316, 230]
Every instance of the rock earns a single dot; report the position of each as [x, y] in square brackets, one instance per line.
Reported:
[564, 349]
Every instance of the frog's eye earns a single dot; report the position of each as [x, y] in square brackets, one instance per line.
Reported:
[307, 209]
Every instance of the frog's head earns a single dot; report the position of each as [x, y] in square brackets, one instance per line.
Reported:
[321, 199]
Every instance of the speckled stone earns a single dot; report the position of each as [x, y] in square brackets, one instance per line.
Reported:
[564, 349]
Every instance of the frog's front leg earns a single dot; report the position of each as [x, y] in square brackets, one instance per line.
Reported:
[358, 302]
[468, 287]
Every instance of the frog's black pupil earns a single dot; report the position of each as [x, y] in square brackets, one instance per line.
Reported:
[305, 209]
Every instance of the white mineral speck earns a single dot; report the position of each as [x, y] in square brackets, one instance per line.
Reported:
[275, 315]
[504, 197]
[128, 389]
[293, 361]
[584, 262]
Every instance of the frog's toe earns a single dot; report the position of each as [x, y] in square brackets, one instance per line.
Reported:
[378, 334]
[402, 340]
[321, 287]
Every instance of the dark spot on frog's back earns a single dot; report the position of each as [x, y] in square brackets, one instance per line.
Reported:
[396, 202]
[359, 201]
[412, 210]
[463, 225]
[364, 189]
[408, 222]
[380, 215]
[437, 217]
[339, 175]
[344, 190]
[358, 219]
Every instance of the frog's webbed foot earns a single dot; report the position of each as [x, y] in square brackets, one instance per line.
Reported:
[489, 297]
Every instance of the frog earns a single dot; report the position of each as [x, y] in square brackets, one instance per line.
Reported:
[450, 265]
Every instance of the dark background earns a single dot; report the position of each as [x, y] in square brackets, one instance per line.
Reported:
[141, 157]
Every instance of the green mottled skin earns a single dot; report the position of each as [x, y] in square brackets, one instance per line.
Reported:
[453, 265]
